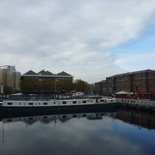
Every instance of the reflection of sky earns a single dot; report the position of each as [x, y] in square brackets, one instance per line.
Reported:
[76, 136]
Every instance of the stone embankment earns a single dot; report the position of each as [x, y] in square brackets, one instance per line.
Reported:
[140, 104]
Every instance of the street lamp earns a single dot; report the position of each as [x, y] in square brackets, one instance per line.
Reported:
[2, 90]
[55, 85]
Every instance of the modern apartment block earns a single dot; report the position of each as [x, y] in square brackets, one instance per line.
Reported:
[45, 82]
[9, 78]
[144, 80]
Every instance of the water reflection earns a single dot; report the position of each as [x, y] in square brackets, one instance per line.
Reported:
[61, 117]
[82, 133]
[138, 118]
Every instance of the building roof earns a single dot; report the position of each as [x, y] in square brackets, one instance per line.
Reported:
[64, 73]
[103, 81]
[43, 72]
[134, 72]
[30, 72]
[47, 74]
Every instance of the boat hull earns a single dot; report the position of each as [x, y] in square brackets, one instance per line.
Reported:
[59, 109]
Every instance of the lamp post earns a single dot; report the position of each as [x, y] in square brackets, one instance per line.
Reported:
[55, 85]
[2, 91]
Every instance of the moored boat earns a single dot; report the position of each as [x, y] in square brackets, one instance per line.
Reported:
[51, 106]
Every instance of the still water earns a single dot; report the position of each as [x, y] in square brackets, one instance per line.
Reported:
[79, 134]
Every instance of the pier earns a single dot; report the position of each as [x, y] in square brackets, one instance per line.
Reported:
[140, 104]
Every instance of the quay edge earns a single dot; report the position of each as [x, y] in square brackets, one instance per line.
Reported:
[138, 104]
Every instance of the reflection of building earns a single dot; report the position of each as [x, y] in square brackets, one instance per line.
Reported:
[46, 82]
[46, 119]
[144, 79]
[140, 119]
[9, 77]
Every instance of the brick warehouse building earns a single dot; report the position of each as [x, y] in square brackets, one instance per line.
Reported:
[144, 79]
[46, 82]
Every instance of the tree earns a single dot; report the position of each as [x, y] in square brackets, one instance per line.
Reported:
[80, 85]
[8, 90]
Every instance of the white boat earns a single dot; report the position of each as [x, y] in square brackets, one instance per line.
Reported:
[51, 106]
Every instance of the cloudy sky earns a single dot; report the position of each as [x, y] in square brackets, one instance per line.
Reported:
[89, 39]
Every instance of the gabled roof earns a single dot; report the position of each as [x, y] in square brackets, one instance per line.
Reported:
[49, 73]
[43, 72]
[46, 74]
[134, 72]
[103, 81]
[64, 73]
[30, 72]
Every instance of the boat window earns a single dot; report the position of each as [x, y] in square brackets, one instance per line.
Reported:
[84, 115]
[64, 102]
[45, 103]
[9, 103]
[84, 101]
[74, 102]
[9, 120]
[30, 103]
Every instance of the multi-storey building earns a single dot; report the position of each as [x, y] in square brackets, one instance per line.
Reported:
[92, 89]
[46, 82]
[122, 82]
[129, 82]
[110, 85]
[101, 87]
[151, 81]
[132, 80]
[9, 78]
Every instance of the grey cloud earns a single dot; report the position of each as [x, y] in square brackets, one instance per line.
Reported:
[59, 31]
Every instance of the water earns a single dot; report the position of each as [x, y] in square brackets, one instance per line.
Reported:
[79, 134]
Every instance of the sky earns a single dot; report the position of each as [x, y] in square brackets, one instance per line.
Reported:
[88, 39]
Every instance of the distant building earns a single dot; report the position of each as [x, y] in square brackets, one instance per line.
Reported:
[46, 82]
[144, 79]
[129, 82]
[101, 87]
[9, 78]
[92, 89]
[76, 94]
